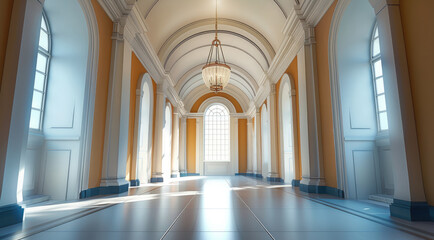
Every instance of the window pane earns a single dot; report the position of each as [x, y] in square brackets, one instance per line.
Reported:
[43, 40]
[37, 100]
[34, 119]
[384, 125]
[376, 47]
[381, 103]
[39, 81]
[376, 32]
[378, 69]
[43, 25]
[380, 86]
[41, 63]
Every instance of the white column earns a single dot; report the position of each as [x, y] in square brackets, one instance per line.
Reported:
[157, 160]
[199, 146]
[258, 145]
[271, 102]
[234, 144]
[175, 144]
[183, 146]
[402, 127]
[16, 101]
[312, 166]
[250, 142]
[117, 118]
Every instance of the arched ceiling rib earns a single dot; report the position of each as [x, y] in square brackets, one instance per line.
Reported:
[181, 33]
[280, 3]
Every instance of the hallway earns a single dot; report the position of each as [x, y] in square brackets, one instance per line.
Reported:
[200, 208]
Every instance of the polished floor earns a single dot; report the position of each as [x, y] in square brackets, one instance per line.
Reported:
[206, 208]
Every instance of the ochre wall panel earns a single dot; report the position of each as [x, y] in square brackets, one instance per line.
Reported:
[292, 71]
[322, 31]
[137, 70]
[105, 27]
[242, 145]
[191, 145]
[5, 21]
[417, 21]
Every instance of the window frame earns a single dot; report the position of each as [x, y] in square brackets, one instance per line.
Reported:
[47, 54]
[225, 140]
[373, 61]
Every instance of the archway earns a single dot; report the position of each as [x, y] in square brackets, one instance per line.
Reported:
[143, 129]
[364, 159]
[56, 163]
[265, 138]
[287, 129]
[167, 142]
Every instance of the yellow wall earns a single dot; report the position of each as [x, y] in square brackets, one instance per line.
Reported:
[105, 27]
[191, 145]
[5, 20]
[322, 31]
[417, 20]
[242, 145]
[137, 70]
[292, 71]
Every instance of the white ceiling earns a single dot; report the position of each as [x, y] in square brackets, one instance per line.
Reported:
[181, 32]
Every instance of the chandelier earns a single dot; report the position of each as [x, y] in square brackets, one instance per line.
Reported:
[216, 73]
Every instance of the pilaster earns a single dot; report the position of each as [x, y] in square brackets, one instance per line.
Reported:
[175, 144]
[157, 160]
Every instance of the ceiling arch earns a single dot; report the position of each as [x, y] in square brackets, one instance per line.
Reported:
[180, 32]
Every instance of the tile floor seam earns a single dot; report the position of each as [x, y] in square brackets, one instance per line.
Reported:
[67, 219]
[394, 225]
[248, 207]
[176, 219]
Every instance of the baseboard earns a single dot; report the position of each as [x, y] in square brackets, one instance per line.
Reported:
[11, 214]
[275, 179]
[313, 188]
[157, 179]
[189, 174]
[135, 183]
[411, 211]
[108, 190]
[241, 174]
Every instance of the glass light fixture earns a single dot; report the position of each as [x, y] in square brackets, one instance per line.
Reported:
[216, 73]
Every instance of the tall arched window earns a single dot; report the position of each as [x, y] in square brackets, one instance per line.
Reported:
[42, 64]
[377, 72]
[217, 147]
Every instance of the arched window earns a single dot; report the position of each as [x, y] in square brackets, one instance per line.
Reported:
[42, 64]
[217, 147]
[377, 72]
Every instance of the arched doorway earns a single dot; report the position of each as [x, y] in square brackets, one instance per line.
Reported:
[265, 138]
[287, 129]
[167, 142]
[143, 129]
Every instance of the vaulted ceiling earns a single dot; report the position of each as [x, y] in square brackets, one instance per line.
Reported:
[181, 32]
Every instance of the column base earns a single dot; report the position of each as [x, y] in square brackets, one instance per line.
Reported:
[175, 174]
[157, 179]
[274, 177]
[135, 183]
[295, 183]
[104, 190]
[411, 211]
[11, 214]
[313, 185]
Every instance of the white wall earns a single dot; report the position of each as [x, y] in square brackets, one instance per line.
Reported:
[57, 153]
[367, 168]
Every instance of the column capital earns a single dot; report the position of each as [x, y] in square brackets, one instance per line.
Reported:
[161, 88]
